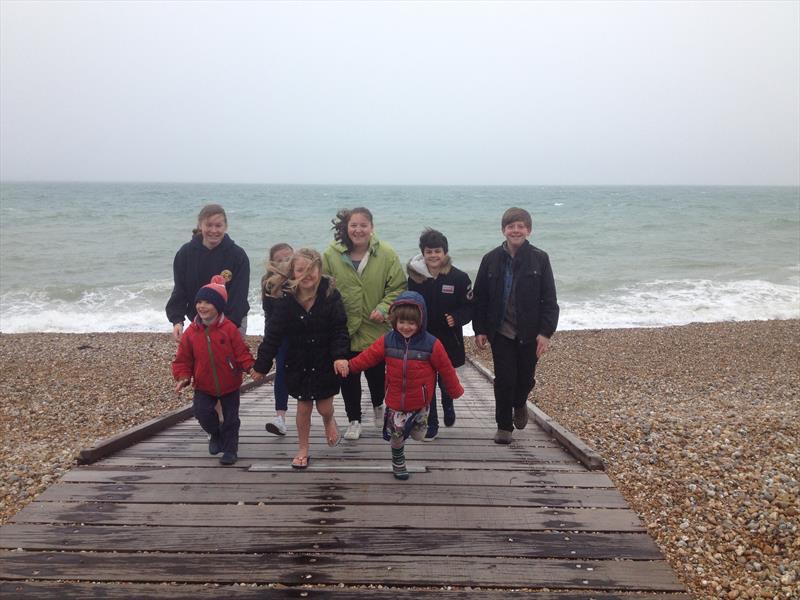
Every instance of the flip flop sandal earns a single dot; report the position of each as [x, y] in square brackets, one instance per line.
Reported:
[300, 462]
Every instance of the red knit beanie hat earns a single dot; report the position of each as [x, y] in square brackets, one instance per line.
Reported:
[214, 292]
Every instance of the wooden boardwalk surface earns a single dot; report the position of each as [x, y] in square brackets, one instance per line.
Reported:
[162, 519]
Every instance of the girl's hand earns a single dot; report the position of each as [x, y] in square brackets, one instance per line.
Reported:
[377, 316]
[341, 367]
[182, 383]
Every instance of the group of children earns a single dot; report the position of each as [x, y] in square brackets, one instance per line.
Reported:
[513, 307]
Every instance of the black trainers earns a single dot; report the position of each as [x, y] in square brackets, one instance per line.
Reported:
[215, 444]
[521, 416]
[433, 431]
[228, 458]
[449, 414]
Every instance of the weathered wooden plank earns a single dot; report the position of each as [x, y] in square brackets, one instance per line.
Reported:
[46, 590]
[259, 436]
[211, 461]
[424, 542]
[421, 451]
[302, 492]
[333, 569]
[334, 515]
[100, 473]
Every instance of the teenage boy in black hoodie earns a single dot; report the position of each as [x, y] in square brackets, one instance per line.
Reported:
[448, 297]
[517, 313]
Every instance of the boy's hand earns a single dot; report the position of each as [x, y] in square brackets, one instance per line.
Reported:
[480, 341]
[182, 383]
[542, 345]
[451, 322]
[341, 367]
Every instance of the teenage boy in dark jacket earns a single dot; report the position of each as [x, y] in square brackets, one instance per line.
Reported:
[448, 297]
[517, 313]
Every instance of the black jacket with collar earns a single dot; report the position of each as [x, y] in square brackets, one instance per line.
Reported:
[316, 337]
[535, 293]
[195, 265]
[449, 293]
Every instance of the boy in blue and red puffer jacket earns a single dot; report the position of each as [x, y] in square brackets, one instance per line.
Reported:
[413, 359]
[212, 355]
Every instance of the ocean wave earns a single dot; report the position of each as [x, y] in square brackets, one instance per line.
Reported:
[650, 304]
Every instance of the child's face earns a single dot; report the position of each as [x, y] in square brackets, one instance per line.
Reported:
[206, 310]
[308, 279]
[282, 255]
[516, 233]
[434, 257]
[407, 328]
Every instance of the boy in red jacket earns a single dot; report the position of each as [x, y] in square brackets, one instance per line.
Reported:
[212, 352]
[413, 358]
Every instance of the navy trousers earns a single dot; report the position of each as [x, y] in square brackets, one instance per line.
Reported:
[206, 415]
[514, 377]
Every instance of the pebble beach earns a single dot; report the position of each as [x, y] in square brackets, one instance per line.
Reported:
[699, 426]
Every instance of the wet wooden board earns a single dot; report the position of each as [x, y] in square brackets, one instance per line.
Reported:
[476, 515]
[338, 568]
[213, 475]
[45, 590]
[301, 492]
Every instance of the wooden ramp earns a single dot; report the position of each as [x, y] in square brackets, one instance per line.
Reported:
[162, 519]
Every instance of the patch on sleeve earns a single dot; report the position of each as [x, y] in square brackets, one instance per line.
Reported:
[227, 275]
[448, 289]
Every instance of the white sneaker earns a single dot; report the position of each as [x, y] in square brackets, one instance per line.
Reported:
[276, 426]
[353, 431]
[378, 410]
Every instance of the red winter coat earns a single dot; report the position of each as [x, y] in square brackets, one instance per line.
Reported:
[411, 364]
[214, 355]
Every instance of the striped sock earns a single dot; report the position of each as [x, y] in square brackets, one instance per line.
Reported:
[399, 464]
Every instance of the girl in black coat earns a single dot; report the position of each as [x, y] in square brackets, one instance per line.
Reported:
[311, 316]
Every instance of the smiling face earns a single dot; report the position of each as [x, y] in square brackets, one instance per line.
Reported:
[307, 278]
[434, 258]
[407, 328]
[359, 230]
[213, 230]
[516, 233]
[206, 310]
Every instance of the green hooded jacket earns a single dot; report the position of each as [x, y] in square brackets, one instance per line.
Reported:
[377, 283]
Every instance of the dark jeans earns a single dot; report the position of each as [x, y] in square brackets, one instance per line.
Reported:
[279, 385]
[351, 389]
[433, 417]
[514, 371]
[209, 420]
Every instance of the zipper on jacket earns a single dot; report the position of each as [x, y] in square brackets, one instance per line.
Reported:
[213, 366]
[405, 374]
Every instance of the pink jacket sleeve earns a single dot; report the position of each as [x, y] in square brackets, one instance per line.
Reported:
[370, 357]
[441, 362]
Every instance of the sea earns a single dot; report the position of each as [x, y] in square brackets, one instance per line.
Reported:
[97, 257]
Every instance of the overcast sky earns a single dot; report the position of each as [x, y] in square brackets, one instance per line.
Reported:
[402, 92]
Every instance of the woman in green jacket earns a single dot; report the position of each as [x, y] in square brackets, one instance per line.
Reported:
[369, 276]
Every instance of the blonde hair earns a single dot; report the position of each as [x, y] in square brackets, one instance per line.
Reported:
[282, 278]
